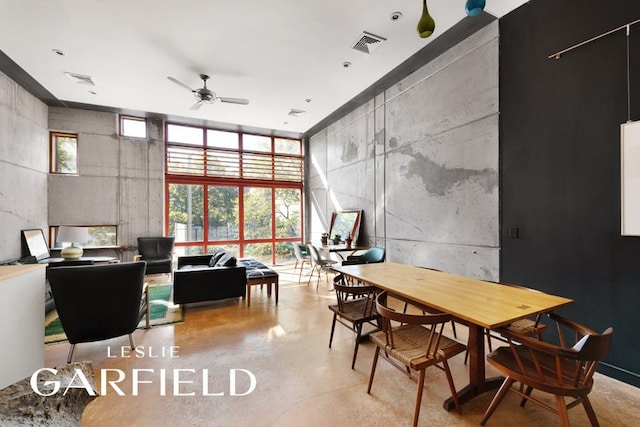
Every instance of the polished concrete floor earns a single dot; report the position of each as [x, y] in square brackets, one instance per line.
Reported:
[298, 379]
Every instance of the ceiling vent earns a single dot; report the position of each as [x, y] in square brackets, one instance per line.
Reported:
[368, 42]
[295, 112]
[80, 79]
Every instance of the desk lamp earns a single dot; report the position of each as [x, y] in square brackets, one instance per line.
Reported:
[75, 236]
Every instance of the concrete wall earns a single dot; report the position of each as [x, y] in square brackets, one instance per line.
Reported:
[120, 180]
[24, 160]
[421, 159]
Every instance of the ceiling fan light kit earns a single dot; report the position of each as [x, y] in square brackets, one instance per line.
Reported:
[204, 95]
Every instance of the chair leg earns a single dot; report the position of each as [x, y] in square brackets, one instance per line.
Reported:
[313, 268]
[147, 313]
[373, 369]
[453, 326]
[355, 350]
[590, 412]
[527, 391]
[416, 411]
[333, 328]
[131, 343]
[562, 411]
[502, 392]
[454, 393]
[70, 356]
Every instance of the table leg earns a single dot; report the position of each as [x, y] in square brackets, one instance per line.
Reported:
[478, 383]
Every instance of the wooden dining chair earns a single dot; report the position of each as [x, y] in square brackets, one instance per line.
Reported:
[563, 370]
[415, 345]
[355, 307]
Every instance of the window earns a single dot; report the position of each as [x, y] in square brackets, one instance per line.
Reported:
[64, 153]
[232, 190]
[99, 236]
[134, 127]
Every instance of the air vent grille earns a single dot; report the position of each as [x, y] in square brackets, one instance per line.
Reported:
[368, 42]
[80, 79]
[295, 112]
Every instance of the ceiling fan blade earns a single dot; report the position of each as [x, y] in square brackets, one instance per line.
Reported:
[179, 83]
[197, 105]
[234, 100]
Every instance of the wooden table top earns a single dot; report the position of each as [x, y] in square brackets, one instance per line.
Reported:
[486, 304]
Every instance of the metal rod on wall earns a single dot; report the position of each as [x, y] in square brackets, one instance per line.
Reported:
[562, 52]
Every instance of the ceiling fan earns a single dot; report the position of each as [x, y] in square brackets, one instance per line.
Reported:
[205, 95]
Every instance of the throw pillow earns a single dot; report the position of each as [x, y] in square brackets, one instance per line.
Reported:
[215, 258]
[227, 260]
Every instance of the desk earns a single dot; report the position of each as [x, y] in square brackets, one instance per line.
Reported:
[343, 248]
[95, 259]
[474, 302]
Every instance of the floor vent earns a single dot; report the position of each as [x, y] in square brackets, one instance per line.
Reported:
[368, 42]
[80, 79]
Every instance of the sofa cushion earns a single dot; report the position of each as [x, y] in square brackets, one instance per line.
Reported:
[227, 260]
[215, 258]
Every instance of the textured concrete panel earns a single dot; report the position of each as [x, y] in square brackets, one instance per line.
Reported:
[318, 195]
[83, 121]
[351, 117]
[352, 142]
[23, 165]
[98, 155]
[318, 154]
[78, 200]
[156, 159]
[467, 90]
[488, 34]
[134, 158]
[452, 181]
[352, 187]
[140, 202]
[471, 261]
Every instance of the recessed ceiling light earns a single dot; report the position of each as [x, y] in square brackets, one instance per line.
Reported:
[93, 93]
[346, 64]
[396, 15]
[308, 99]
[58, 52]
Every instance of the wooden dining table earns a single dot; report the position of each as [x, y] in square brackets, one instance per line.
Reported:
[476, 303]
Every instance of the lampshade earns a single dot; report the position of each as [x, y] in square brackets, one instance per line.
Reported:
[73, 234]
[474, 7]
[426, 24]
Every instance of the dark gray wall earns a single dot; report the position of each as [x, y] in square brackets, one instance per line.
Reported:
[560, 172]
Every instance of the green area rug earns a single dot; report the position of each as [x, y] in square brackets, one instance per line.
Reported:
[162, 312]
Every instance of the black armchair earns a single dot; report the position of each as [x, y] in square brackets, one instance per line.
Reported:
[157, 252]
[99, 302]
